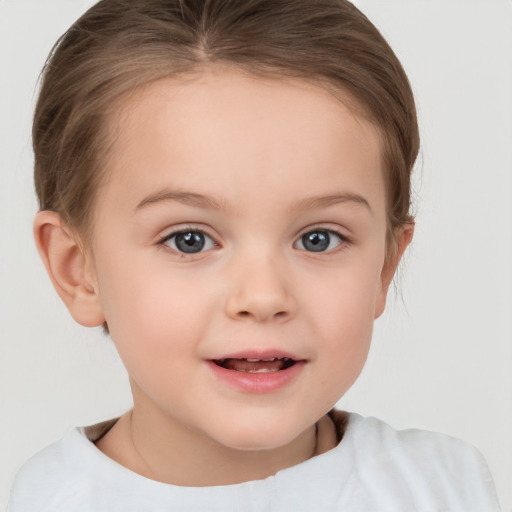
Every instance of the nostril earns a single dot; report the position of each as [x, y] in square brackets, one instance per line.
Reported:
[277, 315]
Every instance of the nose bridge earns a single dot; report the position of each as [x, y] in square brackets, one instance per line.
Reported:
[259, 288]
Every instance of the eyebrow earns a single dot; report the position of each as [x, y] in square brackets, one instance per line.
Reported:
[329, 200]
[188, 198]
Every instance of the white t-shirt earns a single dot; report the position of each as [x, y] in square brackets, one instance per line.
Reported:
[374, 468]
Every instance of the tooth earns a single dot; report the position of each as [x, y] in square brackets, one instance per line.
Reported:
[269, 360]
[253, 360]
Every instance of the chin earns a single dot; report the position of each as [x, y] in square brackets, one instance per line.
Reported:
[256, 437]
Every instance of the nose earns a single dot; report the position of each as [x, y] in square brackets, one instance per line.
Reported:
[260, 292]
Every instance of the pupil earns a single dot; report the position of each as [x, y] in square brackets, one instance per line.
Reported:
[316, 241]
[190, 242]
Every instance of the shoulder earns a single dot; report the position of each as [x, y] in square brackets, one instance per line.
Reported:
[437, 469]
[55, 476]
[42, 480]
[374, 436]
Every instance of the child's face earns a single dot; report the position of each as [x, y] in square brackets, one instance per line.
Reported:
[257, 177]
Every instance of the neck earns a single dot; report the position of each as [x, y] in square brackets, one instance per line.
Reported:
[186, 457]
[170, 453]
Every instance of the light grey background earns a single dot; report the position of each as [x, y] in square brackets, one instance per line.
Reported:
[442, 353]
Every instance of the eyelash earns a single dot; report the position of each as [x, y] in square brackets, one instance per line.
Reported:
[343, 239]
[183, 231]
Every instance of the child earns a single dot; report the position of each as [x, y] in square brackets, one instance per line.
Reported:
[224, 186]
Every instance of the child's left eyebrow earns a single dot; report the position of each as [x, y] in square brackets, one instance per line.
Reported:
[331, 199]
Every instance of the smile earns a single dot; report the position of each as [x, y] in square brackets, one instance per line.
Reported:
[258, 373]
[253, 365]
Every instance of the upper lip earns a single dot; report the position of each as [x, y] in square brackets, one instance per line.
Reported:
[259, 355]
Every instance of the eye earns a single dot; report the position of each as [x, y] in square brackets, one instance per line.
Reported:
[319, 240]
[189, 241]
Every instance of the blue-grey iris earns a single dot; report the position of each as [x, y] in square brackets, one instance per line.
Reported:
[190, 242]
[316, 241]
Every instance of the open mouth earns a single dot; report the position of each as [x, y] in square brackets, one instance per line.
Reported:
[246, 365]
[258, 372]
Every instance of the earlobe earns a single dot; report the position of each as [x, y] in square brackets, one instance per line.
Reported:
[66, 263]
[403, 237]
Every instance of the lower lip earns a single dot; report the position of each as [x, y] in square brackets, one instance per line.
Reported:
[264, 382]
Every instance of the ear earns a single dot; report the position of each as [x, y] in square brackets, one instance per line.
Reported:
[68, 268]
[403, 237]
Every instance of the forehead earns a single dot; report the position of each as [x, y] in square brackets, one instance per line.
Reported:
[226, 132]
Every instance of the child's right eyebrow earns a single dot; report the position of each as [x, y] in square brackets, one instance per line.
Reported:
[188, 198]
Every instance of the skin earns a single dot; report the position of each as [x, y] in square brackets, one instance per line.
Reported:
[260, 153]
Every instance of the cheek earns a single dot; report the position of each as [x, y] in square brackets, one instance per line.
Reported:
[146, 305]
[343, 311]
[347, 295]
[152, 326]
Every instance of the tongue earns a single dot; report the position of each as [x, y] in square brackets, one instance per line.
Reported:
[243, 365]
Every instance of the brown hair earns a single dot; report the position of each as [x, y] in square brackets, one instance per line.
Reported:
[120, 45]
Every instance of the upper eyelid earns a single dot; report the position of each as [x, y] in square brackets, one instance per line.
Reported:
[186, 228]
[322, 227]
[334, 231]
